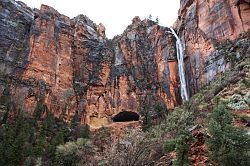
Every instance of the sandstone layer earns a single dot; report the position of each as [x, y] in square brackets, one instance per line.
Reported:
[202, 25]
[68, 66]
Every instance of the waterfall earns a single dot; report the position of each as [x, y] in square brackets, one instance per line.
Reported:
[181, 71]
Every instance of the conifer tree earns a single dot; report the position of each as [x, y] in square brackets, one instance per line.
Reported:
[150, 17]
[182, 148]
[75, 121]
[14, 145]
[40, 108]
[157, 20]
[228, 145]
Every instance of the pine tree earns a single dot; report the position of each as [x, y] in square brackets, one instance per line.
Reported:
[228, 145]
[75, 121]
[59, 138]
[150, 17]
[147, 119]
[40, 108]
[157, 20]
[48, 124]
[182, 148]
[14, 145]
[39, 148]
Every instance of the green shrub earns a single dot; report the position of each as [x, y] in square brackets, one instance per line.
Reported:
[236, 102]
[177, 121]
[152, 115]
[244, 83]
[182, 147]
[244, 119]
[243, 64]
[161, 111]
[169, 145]
[39, 110]
[228, 145]
[235, 98]
[247, 98]
[14, 145]
[147, 119]
[241, 105]
[73, 152]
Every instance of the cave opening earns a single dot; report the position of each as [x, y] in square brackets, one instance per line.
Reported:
[126, 116]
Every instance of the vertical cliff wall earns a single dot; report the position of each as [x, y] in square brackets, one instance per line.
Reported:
[144, 72]
[68, 66]
[202, 25]
[48, 59]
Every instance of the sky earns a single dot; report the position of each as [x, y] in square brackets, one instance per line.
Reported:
[115, 15]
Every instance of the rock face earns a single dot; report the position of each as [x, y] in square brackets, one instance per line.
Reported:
[134, 71]
[144, 72]
[68, 66]
[201, 25]
[49, 60]
[46, 58]
[16, 20]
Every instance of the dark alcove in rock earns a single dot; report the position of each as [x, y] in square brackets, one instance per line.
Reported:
[126, 116]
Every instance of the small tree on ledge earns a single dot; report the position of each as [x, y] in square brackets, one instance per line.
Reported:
[150, 17]
[157, 20]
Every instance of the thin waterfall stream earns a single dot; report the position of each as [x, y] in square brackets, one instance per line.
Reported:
[181, 70]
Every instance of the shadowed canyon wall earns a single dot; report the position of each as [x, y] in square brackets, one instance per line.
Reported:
[69, 66]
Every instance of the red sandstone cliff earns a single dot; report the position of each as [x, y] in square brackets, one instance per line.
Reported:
[201, 25]
[46, 58]
[69, 66]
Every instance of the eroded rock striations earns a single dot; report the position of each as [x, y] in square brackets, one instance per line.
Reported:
[46, 58]
[68, 66]
[202, 25]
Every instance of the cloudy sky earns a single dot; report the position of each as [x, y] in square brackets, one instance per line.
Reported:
[116, 15]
